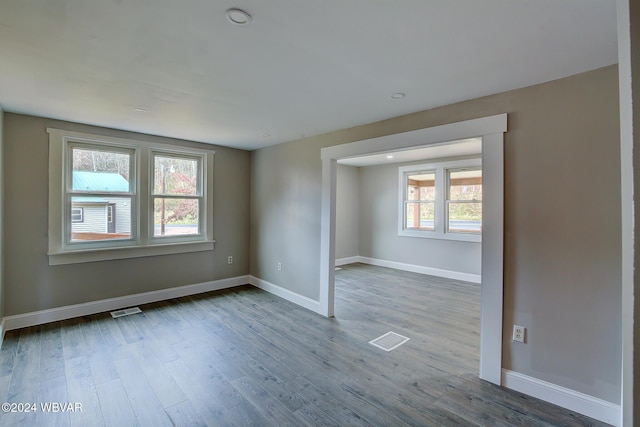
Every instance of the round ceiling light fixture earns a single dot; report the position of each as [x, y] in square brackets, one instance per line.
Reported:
[398, 95]
[238, 16]
[139, 110]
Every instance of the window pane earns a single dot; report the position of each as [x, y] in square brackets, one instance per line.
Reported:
[100, 171]
[175, 217]
[103, 218]
[465, 217]
[465, 185]
[420, 216]
[175, 176]
[421, 186]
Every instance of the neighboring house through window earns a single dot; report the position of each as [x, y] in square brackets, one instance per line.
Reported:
[88, 195]
[441, 200]
[103, 206]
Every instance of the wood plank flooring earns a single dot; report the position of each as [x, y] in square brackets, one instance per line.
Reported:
[243, 357]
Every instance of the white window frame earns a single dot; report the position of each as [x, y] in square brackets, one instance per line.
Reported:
[201, 195]
[449, 202]
[441, 184]
[66, 244]
[406, 201]
[142, 242]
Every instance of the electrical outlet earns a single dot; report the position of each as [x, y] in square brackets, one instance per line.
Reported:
[518, 333]
[230, 260]
[279, 266]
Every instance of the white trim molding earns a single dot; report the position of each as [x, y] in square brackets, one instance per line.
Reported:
[581, 403]
[348, 260]
[418, 138]
[70, 311]
[491, 130]
[281, 292]
[449, 274]
[628, 73]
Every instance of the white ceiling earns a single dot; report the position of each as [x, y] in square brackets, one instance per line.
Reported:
[466, 147]
[302, 67]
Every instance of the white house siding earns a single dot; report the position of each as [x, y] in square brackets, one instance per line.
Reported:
[94, 219]
[123, 215]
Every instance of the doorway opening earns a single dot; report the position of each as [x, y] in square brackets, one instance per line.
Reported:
[490, 130]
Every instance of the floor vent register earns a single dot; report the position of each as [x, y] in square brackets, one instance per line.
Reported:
[389, 341]
[125, 312]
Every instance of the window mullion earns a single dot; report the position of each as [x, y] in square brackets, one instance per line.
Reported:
[440, 205]
[143, 197]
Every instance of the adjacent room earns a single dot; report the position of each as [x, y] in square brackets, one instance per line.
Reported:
[317, 213]
[420, 211]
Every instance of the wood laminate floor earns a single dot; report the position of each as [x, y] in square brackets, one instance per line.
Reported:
[247, 358]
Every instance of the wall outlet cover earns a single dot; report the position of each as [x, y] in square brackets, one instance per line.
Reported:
[518, 333]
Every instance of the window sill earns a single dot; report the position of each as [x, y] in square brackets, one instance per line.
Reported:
[106, 254]
[428, 234]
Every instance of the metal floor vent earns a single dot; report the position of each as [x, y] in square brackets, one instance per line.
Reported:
[389, 341]
[125, 312]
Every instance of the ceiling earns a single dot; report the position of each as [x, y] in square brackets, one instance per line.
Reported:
[300, 68]
[465, 147]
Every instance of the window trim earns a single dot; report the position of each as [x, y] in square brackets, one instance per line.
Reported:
[440, 213]
[201, 196]
[142, 242]
[70, 143]
[419, 201]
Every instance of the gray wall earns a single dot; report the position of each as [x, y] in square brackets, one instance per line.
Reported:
[31, 284]
[347, 211]
[379, 229]
[562, 222]
[285, 216]
[1, 213]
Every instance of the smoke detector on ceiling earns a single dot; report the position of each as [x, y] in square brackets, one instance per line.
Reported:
[238, 16]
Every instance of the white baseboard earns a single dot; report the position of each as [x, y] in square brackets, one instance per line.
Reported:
[575, 401]
[348, 260]
[449, 274]
[100, 306]
[293, 297]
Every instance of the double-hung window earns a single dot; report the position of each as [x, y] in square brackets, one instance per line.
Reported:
[420, 200]
[177, 197]
[464, 200]
[99, 180]
[112, 198]
[441, 200]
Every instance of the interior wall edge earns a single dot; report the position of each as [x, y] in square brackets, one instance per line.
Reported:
[281, 292]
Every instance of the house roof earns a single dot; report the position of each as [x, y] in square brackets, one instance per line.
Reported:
[88, 201]
[99, 181]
